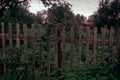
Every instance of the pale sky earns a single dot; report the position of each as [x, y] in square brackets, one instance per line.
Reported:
[85, 7]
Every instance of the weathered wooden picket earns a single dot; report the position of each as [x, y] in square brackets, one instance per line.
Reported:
[63, 40]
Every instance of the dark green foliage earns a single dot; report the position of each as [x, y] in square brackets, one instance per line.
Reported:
[7, 4]
[17, 15]
[15, 11]
[51, 2]
[89, 72]
[60, 13]
[108, 14]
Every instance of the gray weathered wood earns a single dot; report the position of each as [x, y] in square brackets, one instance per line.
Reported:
[3, 48]
[48, 57]
[87, 45]
[56, 46]
[72, 46]
[40, 52]
[79, 45]
[18, 36]
[103, 44]
[10, 39]
[111, 43]
[95, 45]
[25, 42]
[63, 47]
[33, 47]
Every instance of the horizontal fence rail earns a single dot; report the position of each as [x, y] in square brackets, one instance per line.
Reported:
[99, 42]
[27, 38]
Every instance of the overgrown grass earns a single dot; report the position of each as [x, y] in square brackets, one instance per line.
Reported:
[19, 69]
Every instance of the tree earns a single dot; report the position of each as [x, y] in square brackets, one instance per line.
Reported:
[51, 2]
[60, 13]
[17, 15]
[108, 14]
[14, 9]
[42, 17]
[6, 4]
[79, 19]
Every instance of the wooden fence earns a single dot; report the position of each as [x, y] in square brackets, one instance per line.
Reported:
[60, 39]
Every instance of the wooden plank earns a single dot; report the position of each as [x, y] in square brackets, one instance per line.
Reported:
[118, 44]
[18, 37]
[63, 47]
[3, 47]
[56, 46]
[48, 57]
[59, 49]
[40, 52]
[79, 46]
[10, 34]
[18, 40]
[111, 43]
[87, 45]
[25, 42]
[95, 45]
[99, 42]
[33, 47]
[103, 44]
[10, 39]
[72, 46]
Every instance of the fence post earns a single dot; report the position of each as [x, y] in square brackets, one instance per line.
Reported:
[103, 43]
[119, 41]
[40, 50]
[25, 41]
[59, 48]
[63, 47]
[111, 43]
[33, 48]
[18, 37]
[48, 56]
[79, 45]
[56, 46]
[10, 39]
[95, 45]
[72, 45]
[118, 47]
[18, 41]
[3, 47]
[87, 45]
